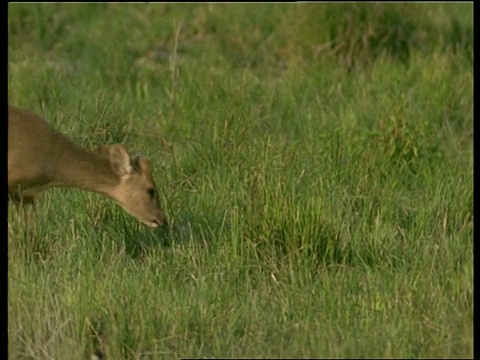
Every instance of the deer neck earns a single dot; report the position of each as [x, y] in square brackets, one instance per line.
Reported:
[83, 169]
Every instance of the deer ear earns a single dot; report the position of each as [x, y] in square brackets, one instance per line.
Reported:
[141, 164]
[120, 160]
[144, 166]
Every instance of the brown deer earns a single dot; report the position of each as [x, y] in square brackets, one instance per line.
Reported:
[40, 157]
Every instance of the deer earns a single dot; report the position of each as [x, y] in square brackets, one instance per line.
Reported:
[40, 158]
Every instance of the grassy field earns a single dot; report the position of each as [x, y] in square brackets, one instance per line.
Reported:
[315, 162]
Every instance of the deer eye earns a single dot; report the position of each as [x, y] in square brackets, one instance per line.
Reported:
[151, 192]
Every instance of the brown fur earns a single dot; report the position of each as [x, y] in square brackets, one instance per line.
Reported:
[40, 157]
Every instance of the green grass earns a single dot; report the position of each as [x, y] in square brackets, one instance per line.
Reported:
[315, 162]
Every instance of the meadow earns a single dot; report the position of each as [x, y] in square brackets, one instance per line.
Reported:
[315, 163]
